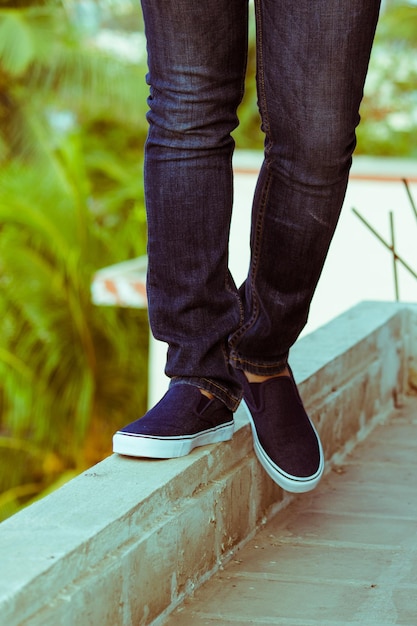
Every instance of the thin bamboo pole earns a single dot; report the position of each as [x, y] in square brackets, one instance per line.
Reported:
[410, 197]
[384, 243]
[394, 256]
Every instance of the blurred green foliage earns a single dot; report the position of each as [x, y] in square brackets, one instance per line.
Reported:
[72, 128]
[389, 108]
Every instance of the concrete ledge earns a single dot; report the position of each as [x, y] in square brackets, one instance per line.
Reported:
[127, 540]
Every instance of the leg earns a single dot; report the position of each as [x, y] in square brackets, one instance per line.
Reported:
[197, 59]
[312, 62]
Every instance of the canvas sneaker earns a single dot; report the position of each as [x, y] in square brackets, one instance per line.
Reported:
[284, 438]
[182, 420]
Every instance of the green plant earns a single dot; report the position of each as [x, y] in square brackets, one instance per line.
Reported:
[69, 370]
[389, 126]
[71, 201]
[48, 65]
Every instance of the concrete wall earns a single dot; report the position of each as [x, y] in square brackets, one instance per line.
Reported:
[124, 542]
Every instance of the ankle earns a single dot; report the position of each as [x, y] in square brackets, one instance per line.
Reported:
[257, 378]
[206, 393]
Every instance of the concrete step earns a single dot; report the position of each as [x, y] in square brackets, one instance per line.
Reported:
[344, 554]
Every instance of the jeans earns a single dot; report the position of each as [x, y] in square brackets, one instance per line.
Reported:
[312, 59]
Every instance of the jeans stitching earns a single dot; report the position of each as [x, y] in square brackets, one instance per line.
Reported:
[274, 368]
[260, 71]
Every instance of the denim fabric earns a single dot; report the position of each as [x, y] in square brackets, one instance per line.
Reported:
[312, 58]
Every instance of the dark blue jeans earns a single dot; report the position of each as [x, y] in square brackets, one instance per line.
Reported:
[312, 58]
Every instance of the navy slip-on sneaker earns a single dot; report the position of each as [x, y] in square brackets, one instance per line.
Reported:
[285, 441]
[181, 421]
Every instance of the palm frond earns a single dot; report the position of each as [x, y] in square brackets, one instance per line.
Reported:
[70, 202]
[16, 42]
[93, 83]
[399, 25]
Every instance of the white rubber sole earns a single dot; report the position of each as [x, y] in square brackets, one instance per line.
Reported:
[293, 484]
[168, 447]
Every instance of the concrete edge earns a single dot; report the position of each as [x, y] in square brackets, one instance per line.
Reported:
[127, 540]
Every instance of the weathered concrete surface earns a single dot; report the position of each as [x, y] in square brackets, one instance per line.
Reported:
[125, 542]
[344, 555]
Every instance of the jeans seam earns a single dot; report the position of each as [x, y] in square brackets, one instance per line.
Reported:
[261, 73]
[233, 291]
[274, 368]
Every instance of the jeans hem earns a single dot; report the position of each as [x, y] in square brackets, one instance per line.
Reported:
[221, 393]
[261, 368]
